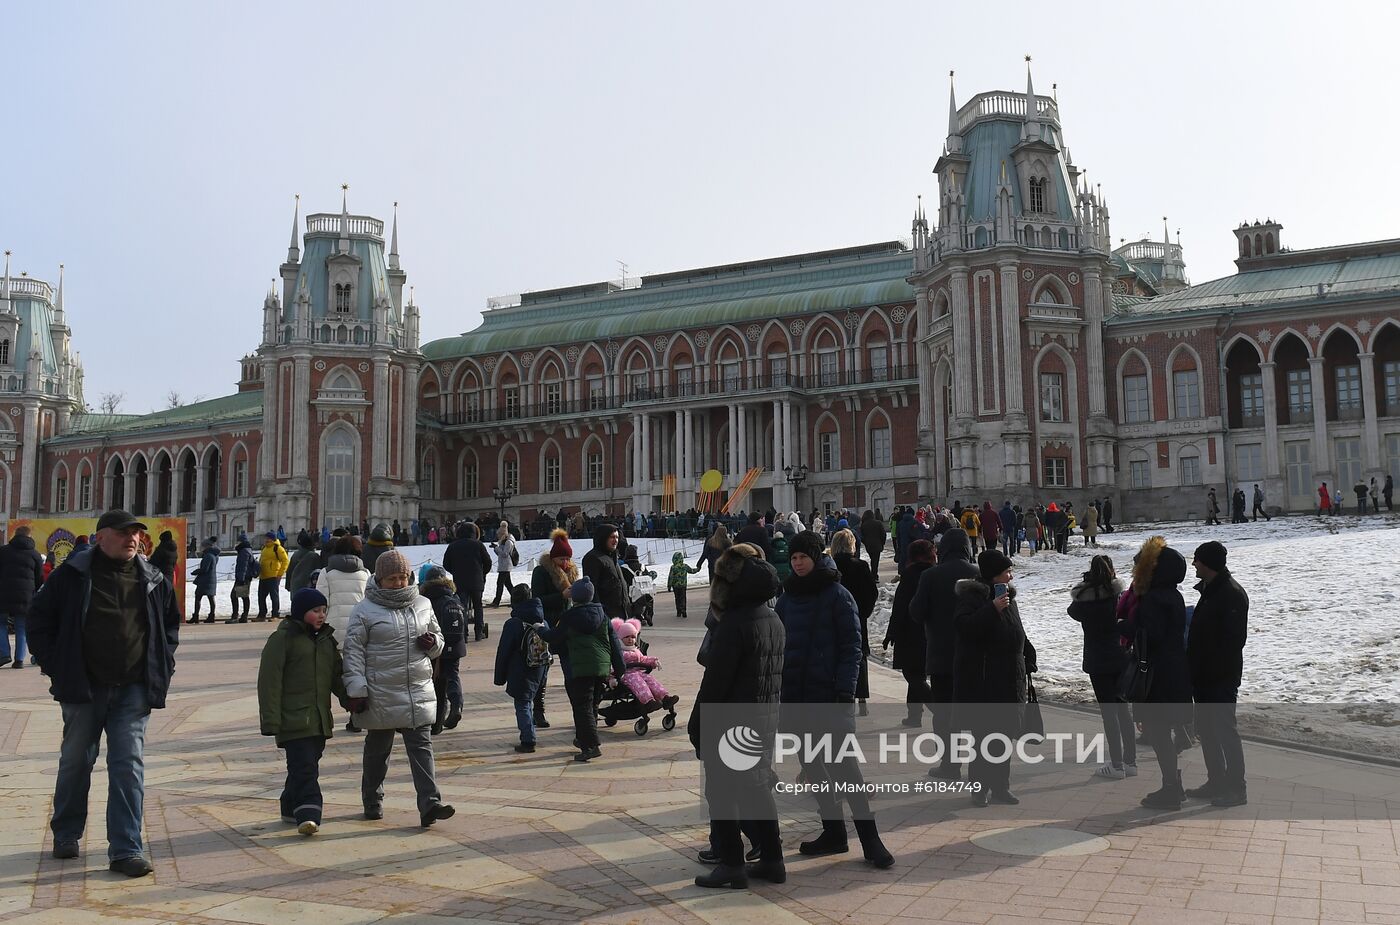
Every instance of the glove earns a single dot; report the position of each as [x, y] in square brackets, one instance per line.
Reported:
[357, 704]
[427, 641]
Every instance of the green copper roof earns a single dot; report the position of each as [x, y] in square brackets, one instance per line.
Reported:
[1312, 280]
[241, 405]
[790, 287]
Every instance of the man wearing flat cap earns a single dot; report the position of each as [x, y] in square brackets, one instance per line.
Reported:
[104, 628]
[1215, 650]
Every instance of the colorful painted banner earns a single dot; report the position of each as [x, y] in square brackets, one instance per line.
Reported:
[57, 535]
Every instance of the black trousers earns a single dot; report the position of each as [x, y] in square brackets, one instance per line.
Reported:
[301, 794]
[941, 696]
[680, 601]
[503, 583]
[918, 689]
[583, 698]
[846, 771]
[1221, 749]
[1259, 509]
[1117, 719]
[471, 603]
[200, 597]
[1158, 732]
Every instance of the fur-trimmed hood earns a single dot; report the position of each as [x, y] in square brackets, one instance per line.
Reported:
[562, 578]
[742, 577]
[1145, 564]
[1088, 593]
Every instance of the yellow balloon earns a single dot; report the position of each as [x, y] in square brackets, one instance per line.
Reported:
[711, 480]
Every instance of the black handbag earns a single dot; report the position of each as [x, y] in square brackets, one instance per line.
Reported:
[1032, 723]
[1135, 683]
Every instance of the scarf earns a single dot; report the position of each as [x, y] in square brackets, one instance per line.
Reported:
[400, 599]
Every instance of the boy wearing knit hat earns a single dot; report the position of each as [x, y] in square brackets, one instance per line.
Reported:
[592, 658]
[299, 671]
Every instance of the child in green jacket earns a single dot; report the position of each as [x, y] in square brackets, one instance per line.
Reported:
[300, 670]
[677, 581]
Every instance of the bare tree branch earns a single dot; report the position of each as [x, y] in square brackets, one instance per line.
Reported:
[111, 402]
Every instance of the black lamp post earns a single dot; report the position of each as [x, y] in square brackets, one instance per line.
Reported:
[502, 495]
[796, 475]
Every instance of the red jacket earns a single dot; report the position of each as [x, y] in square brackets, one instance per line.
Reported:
[991, 523]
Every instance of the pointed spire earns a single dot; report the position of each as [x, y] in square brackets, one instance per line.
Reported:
[344, 218]
[5, 285]
[952, 108]
[1031, 128]
[394, 241]
[58, 299]
[294, 249]
[1166, 235]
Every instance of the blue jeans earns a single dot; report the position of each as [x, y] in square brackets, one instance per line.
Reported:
[525, 719]
[1006, 543]
[21, 648]
[120, 712]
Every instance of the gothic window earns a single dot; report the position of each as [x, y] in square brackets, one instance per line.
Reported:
[342, 297]
[829, 451]
[1137, 404]
[85, 492]
[778, 371]
[595, 467]
[1299, 396]
[511, 401]
[1252, 400]
[339, 492]
[61, 494]
[1038, 194]
[1391, 374]
[880, 455]
[551, 473]
[1139, 474]
[471, 409]
[510, 474]
[685, 381]
[828, 369]
[879, 362]
[5, 350]
[1187, 386]
[554, 398]
[240, 478]
[1348, 391]
[1052, 397]
[471, 480]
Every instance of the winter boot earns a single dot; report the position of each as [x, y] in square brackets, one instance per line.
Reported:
[914, 715]
[1168, 797]
[831, 841]
[876, 854]
[725, 876]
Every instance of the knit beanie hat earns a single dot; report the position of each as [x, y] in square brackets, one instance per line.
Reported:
[304, 600]
[391, 562]
[560, 547]
[1211, 555]
[524, 605]
[992, 563]
[808, 544]
[581, 591]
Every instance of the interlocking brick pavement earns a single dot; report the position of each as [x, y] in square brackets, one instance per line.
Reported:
[540, 839]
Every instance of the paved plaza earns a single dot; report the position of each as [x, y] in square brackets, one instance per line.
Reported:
[541, 839]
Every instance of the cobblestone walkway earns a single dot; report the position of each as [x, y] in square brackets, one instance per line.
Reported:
[540, 839]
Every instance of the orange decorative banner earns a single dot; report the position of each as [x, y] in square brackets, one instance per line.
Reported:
[57, 536]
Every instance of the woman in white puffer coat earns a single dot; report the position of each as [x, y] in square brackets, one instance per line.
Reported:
[389, 647]
[342, 581]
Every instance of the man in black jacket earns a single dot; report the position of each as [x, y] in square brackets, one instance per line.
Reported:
[21, 573]
[600, 565]
[755, 535]
[1215, 651]
[104, 629]
[933, 605]
[469, 563]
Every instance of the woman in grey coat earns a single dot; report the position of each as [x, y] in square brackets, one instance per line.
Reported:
[389, 647]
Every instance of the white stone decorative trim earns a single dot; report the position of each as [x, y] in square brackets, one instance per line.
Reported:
[1073, 278]
[899, 314]
[797, 327]
[320, 366]
[1028, 274]
[1364, 325]
[1314, 331]
[364, 367]
[1265, 335]
[753, 333]
[661, 341]
[572, 353]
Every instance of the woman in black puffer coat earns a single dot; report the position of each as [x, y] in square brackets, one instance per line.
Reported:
[907, 634]
[743, 668]
[1159, 626]
[857, 578]
[990, 669]
[821, 664]
[1094, 602]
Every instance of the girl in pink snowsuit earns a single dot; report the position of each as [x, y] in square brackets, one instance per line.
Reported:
[643, 685]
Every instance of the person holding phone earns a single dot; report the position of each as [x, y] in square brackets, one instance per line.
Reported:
[991, 667]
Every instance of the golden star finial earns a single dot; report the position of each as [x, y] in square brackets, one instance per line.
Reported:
[1028, 59]
[345, 186]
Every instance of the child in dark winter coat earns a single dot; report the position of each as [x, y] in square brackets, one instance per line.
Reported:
[300, 669]
[592, 656]
[438, 588]
[515, 652]
[678, 579]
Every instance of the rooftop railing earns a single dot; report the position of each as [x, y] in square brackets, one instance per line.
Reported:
[25, 285]
[1004, 103]
[329, 223]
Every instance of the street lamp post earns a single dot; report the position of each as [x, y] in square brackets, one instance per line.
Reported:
[502, 495]
[796, 475]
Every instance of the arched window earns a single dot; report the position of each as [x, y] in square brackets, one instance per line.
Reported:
[881, 455]
[551, 478]
[342, 297]
[1189, 462]
[427, 475]
[339, 492]
[593, 465]
[5, 350]
[469, 486]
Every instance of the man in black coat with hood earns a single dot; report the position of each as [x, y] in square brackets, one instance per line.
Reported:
[600, 566]
[1215, 652]
[933, 605]
[755, 534]
[21, 574]
[469, 563]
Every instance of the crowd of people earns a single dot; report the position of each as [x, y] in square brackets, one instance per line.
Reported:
[787, 623]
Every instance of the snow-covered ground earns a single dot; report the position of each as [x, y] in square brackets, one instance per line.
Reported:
[1324, 611]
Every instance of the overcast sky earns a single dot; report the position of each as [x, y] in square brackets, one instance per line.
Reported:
[155, 148]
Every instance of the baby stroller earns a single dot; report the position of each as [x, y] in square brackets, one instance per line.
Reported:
[641, 588]
[619, 704]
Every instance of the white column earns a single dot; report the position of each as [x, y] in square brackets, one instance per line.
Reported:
[636, 454]
[1322, 455]
[1093, 335]
[201, 475]
[1370, 427]
[679, 434]
[743, 457]
[301, 398]
[1271, 456]
[962, 345]
[645, 469]
[380, 459]
[732, 462]
[1011, 338]
[408, 440]
[692, 462]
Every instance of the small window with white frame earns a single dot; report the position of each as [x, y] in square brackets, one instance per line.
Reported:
[1054, 472]
[1139, 474]
[1190, 469]
[829, 451]
[1052, 397]
[595, 468]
